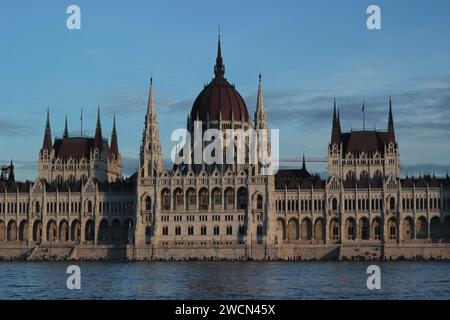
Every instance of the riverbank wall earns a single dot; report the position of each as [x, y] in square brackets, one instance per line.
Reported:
[288, 252]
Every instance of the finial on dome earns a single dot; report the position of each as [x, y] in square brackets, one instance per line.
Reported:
[219, 68]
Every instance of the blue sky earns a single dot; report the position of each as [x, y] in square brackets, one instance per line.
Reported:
[307, 51]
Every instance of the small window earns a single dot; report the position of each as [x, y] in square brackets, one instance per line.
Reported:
[259, 202]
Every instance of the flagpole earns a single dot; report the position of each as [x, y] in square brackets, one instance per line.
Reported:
[81, 119]
[364, 117]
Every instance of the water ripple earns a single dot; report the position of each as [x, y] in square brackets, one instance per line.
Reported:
[225, 280]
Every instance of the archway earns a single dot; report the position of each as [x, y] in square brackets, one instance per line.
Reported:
[37, 231]
[319, 230]
[306, 229]
[392, 228]
[75, 231]
[89, 230]
[422, 228]
[376, 230]
[103, 231]
[178, 199]
[335, 232]
[435, 228]
[51, 231]
[350, 229]
[23, 231]
[229, 198]
[165, 199]
[408, 228]
[191, 199]
[292, 230]
[363, 229]
[12, 231]
[216, 200]
[63, 231]
[203, 196]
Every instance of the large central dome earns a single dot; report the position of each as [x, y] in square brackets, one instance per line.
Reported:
[219, 97]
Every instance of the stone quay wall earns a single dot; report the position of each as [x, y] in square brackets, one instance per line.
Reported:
[289, 252]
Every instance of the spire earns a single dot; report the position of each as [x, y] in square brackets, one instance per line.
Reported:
[47, 144]
[151, 155]
[98, 132]
[47, 124]
[66, 130]
[260, 112]
[335, 132]
[391, 131]
[260, 101]
[151, 102]
[304, 162]
[219, 68]
[114, 144]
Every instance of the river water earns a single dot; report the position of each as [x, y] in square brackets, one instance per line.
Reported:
[225, 280]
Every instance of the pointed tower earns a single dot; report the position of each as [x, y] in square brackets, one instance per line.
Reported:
[66, 130]
[46, 153]
[114, 145]
[391, 151]
[47, 144]
[260, 112]
[98, 141]
[150, 165]
[391, 132]
[335, 131]
[151, 155]
[219, 68]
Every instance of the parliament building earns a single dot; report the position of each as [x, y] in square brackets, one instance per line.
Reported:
[81, 207]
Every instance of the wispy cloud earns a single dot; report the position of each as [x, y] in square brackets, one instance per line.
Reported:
[424, 110]
[12, 128]
[126, 101]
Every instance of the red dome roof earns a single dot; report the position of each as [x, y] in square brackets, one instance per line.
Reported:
[219, 97]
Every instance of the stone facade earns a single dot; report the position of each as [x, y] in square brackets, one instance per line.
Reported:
[80, 207]
[77, 158]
